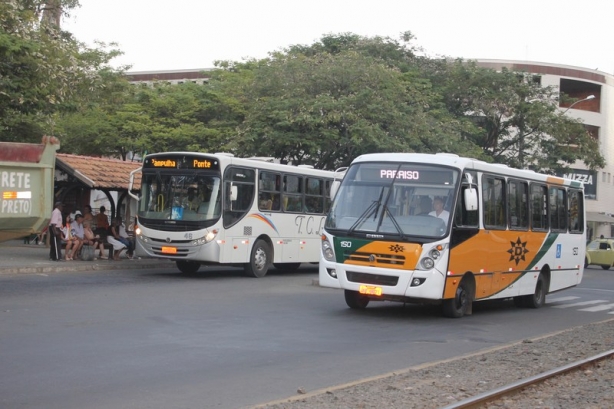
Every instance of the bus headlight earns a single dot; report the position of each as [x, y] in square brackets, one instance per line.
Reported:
[327, 249]
[209, 236]
[137, 230]
[427, 263]
[434, 254]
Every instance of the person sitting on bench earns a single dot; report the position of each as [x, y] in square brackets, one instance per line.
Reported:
[113, 240]
[92, 239]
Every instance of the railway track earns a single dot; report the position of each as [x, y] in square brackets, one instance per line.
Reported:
[479, 401]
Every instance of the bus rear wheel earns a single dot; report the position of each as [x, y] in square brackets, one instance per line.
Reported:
[187, 267]
[461, 303]
[535, 300]
[356, 300]
[259, 260]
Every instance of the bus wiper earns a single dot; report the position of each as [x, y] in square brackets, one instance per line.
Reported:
[364, 216]
[378, 203]
[393, 220]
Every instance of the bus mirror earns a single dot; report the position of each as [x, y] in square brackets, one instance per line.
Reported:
[333, 188]
[471, 199]
[234, 193]
[131, 183]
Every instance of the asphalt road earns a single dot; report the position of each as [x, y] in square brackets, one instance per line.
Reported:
[217, 339]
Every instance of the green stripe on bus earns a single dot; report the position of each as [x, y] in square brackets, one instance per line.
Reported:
[546, 245]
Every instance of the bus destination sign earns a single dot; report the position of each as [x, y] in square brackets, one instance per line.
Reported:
[181, 162]
[422, 174]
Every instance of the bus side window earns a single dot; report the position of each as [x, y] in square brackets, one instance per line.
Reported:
[269, 187]
[539, 207]
[293, 194]
[518, 204]
[238, 194]
[493, 202]
[576, 212]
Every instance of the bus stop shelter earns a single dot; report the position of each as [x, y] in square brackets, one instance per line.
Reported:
[78, 177]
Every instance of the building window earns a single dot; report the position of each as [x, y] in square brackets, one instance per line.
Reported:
[574, 90]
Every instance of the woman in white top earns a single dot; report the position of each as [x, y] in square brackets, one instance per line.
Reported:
[68, 238]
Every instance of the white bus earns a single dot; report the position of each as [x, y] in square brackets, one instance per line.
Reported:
[497, 232]
[199, 208]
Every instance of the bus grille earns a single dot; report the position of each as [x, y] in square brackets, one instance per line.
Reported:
[172, 242]
[374, 279]
[179, 225]
[378, 258]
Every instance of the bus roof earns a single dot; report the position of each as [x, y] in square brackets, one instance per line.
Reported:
[226, 159]
[461, 163]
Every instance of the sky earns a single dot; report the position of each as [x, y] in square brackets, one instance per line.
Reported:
[191, 34]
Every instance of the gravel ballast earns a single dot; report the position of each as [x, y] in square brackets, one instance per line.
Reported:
[443, 383]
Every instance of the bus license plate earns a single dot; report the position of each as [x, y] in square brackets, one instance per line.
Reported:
[169, 250]
[370, 290]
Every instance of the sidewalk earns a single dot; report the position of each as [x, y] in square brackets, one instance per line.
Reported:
[16, 257]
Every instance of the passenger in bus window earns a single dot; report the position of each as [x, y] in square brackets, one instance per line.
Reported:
[438, 210]
[426, 205]
[276, 205]
[192, 201]
[313, 204]
[293, 204]
[265, 202]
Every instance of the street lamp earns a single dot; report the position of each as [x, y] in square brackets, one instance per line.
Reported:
[578, 101]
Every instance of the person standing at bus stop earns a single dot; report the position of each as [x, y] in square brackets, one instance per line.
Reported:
[55, 233]
[102, 221]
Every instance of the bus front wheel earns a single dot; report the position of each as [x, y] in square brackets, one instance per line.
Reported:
[460, 305]
[356, 300]
[187, 267]
[259, 260]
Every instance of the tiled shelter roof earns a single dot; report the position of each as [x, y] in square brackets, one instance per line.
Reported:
[99, 173]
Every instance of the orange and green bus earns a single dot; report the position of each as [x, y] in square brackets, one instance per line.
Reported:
[494, 232]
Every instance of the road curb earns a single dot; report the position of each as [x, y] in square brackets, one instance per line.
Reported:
[82, 267]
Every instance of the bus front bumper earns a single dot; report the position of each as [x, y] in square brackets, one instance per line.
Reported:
[178, 249]
[386, 284]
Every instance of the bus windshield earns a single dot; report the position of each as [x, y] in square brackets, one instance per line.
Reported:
[399, 199]
[180, 196]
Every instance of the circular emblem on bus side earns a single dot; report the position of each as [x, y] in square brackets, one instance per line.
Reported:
[372, 258]
[168, 239]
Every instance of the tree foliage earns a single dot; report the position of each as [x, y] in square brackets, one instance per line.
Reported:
[321, 104]
[325, 105]
[516, 120]
[186, 117]
[43, 70]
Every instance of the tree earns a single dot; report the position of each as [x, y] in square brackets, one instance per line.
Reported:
[42, 68]
[515, 119]
[313, 106]
[140, 119]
